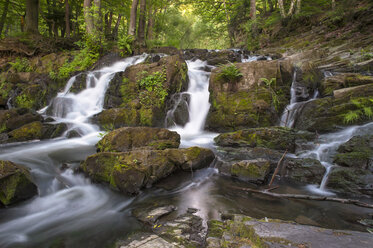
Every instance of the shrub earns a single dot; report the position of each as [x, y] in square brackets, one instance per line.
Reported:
[230, 73]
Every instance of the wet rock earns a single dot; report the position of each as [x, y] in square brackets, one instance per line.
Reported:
[343, 80]
[178, 113]
[331, 113]
[247, 101]
[244, 231]
[15, 183]
[107, 60]
[129, 104]
[356, 153]
[15, 118]
[128, 172]
[350, 180]
[80, 83]
[130, 138]
[51, 131]
[278, 138]
[152, 214]
[304, 170]
[73, 134]
[251, 170]
[213, 57]
[145, 240]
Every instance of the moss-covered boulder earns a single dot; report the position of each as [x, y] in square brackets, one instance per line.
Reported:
[130, 138]
[351, 180]
[349, 106]
[357, 153]
[343, 80]
[139, 95]
[15, 118]
[130, 171]
[15, 183]
[251, 170]
[254, 99]
[277, 138]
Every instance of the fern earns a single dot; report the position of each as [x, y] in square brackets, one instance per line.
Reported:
[368, 112]
[351, 116]
[230, 73]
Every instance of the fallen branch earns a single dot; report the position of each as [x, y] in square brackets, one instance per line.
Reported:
[308, 197]
[277, 168]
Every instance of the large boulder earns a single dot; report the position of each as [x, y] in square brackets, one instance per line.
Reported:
[139, 95]
[15, 118]
[278, 138]
[214, 57]
[15, 183]
[356, 153]
[305, 170]
[130, 138]
[349, 106]
[130, 171]
[250, 100]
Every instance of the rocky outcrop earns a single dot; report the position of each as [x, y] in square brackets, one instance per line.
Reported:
[304, 170]
[277, 138]
[15, 118]
[138, 96]
[131, 138]
[131, 171]
[349, 106]
[15, 183]
[343, 80]
[243, 231]
[356, 153]
[252, 100]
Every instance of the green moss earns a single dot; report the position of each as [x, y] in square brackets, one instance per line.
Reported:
[24, 101]
[146, 116]
[27, 132]
[215, 228]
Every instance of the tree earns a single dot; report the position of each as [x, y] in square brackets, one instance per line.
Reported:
[88, 18]
[67, 18]
[3, 16]
[32, 16]
[142, 22]
[133, 17]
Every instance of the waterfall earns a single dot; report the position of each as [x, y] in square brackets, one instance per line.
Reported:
[291, 111]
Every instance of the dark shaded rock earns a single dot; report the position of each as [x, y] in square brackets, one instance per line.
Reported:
[248, 101]
[107, 60]
[251, 170]
[356, 153]
[178, 113]
[329, 114]
[350, 180]
[15, 118]
[80, 83]
[15, 183]
[305, 170]
[128, 172]
[51, 131]
[73, 134]
[278, 138]
[131, 138]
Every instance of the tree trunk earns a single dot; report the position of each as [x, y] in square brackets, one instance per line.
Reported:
[281, 7]
[271, 7]
[333, 4]
[88, 16]
[291, 9]
[67, 18]
[116, 28]
[253, 16]
[133, 17]
[142, 22]
[3, 16]
[32, 16]
[297, 10]
[149, 31]
[97, 17]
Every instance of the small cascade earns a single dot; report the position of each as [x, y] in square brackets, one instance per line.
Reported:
[76, 109]
[199, 105]
[298, 97]
[326, 149]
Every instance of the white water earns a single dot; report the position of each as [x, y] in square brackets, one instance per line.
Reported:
[67, 202]
[292, 110]
[326, 149]
[193, 132]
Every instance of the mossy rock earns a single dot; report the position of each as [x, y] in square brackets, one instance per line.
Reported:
[305, 170]
[130, 138]
[357, 153]
[131, 171]
[15, 118]
[15, 183]
[277, 138]
[29, 131]
[344, 80]
[251, 170]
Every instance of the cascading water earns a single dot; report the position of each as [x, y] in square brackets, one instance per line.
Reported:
[327, 147]
[193, 131]
[67, 203]
[292, 111]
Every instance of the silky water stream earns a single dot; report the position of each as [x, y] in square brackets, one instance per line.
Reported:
[71, 210]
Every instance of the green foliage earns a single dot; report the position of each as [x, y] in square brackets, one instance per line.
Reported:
[21, 65]
[271, 85]
[125, 44]
[155, 92]
[82, 61]
[23, 101]
[229, 73]
[364, 110]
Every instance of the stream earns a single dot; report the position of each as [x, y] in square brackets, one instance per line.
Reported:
[71, 209]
